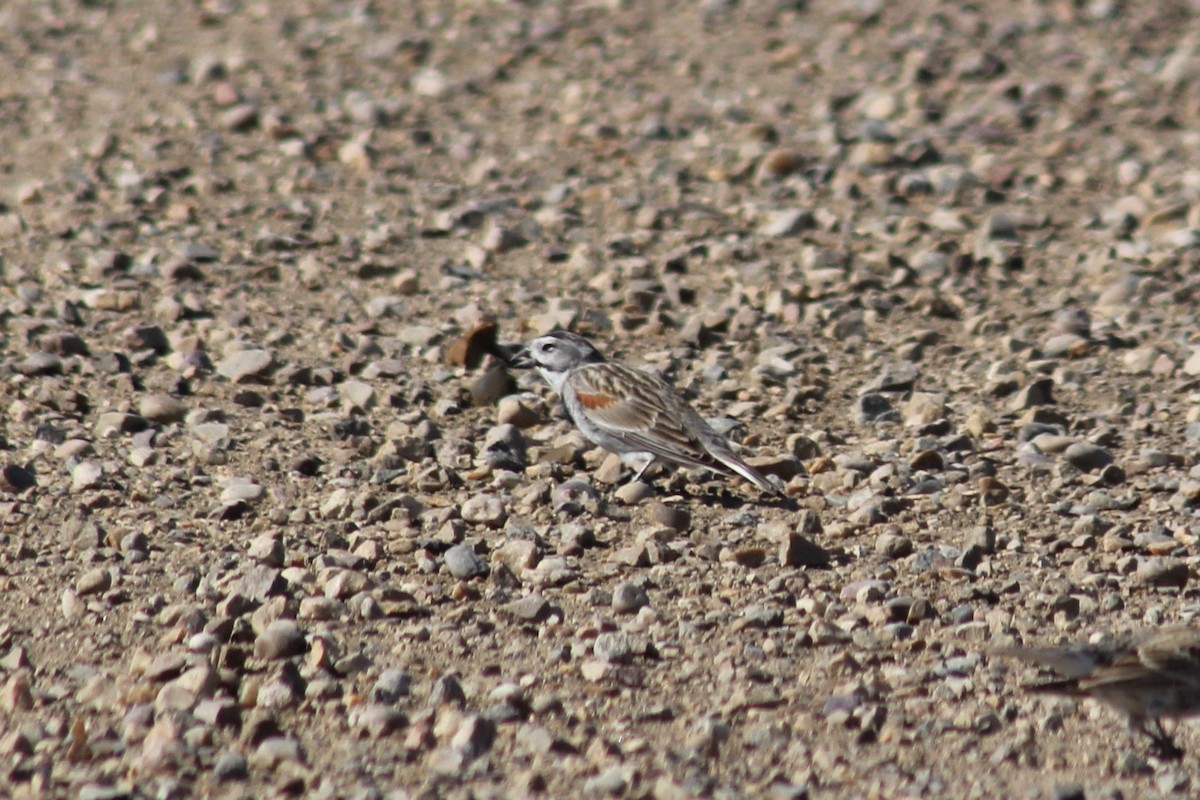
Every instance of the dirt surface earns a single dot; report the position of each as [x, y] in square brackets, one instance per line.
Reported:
[273, 522]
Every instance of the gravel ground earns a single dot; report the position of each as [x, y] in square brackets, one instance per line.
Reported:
[273, 522]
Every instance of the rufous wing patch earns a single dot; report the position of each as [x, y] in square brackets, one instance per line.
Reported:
[595, 402]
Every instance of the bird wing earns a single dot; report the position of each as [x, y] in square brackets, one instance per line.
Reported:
[1126, 671]
[1174, 653]
[642, 411]
[1071, 662]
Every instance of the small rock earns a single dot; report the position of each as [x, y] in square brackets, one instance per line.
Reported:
[924, 408]
[613, 647]
[752, 557]
[511, 411]
[788, 222]
[469, 350]
[874, 408]
[357, 394]
[629, 598]
[162, 408]
[1087, 457]
[235, 489]
[609, 783]
[147, 337]
[1039, 392]
[893, 545]
[39, 364]
[1162, 572]
[574, 497]
[531, 608]
[267, 548]
[779, 163]
[474, 737]
[246, 365]
[797, 550]
[230, 766]
[111, 423]
[94, 581]
[447, 691]
[377, 721]
[462, 562]
[673, 517]
[634, 492]
[761, 616]
[280, 639]
[276, 750]
[491, 385]
[391, 685]
[504, 448]
[487, 509]
[241, 117]
[86, 475]
[15, 479]
[16, 693]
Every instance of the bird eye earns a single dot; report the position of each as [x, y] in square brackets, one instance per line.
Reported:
[549, 347]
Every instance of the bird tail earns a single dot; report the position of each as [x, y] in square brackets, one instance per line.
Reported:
[736, 465]
[1070, 662]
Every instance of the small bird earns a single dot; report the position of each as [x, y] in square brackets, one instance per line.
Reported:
[629, 412]
[1148, 679]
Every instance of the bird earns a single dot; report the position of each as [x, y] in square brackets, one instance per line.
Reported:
[1148, 678]
[630, 412]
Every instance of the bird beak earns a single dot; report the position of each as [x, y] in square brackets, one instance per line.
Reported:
[520, 359]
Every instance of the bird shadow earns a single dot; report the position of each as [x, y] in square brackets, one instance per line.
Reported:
[726, 497]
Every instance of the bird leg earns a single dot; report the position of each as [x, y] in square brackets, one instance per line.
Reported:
[642, 471]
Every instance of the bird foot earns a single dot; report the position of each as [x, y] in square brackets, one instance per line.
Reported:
[1166, 749]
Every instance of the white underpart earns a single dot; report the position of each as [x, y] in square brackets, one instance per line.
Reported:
[556, 379]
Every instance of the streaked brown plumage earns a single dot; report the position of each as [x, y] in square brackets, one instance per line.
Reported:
[1151, 678]
[632, 413]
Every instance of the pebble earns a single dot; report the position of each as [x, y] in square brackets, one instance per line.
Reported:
[282, 638]
[15, 479]
[1037, 393]
[162, 408]
[1087, 457]
[531, 608]
[113, 423]
[277, 750]
[267, 548]
[1162, 572]
[574, 497]
[629, 598]
[511, 411]
[797, 550]
[787, 222]
[462, 562]
[245, 365]
[94, 581]
[779, 163]
[86, 475]
[634, 492]
[613, 647]
[36, 364]
[235, 489]
[874, 408]
[486, 509]
[391, 685]
[504, 448]
[230, 766]
[377, 721]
